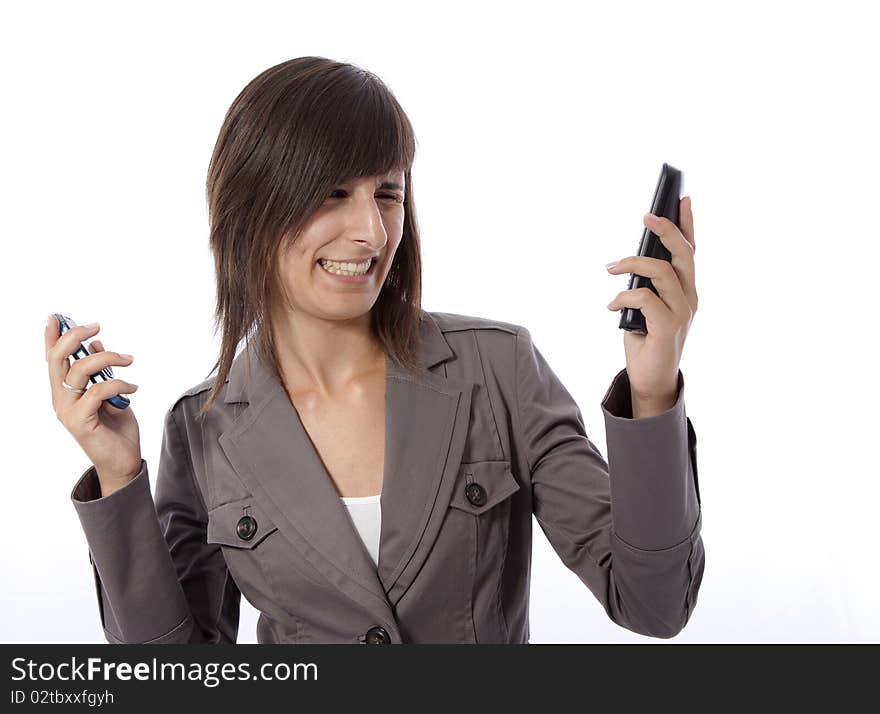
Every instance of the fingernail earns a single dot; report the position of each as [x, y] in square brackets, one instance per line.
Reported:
[91, 325]
[50, 320]
[611, 264]
[651, 217]
[126, 356]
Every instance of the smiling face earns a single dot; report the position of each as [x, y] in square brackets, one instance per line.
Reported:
[359, 220]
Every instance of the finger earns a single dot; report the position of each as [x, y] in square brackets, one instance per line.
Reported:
[664, 277]
[57, 355]
[97, 346]
[95, 396]
[680, 249]
[60, 348]
[98, 364]
[686, 221]
[50, 333]
[658, 317]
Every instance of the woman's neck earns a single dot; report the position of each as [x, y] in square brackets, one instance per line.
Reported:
[326, 357]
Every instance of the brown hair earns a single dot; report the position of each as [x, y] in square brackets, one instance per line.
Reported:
[294, 133]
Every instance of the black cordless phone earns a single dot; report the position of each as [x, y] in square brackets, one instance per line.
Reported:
[665, 204]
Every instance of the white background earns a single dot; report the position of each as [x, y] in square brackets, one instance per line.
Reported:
[541, 133]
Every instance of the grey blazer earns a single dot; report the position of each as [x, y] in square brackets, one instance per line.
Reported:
[243, 505]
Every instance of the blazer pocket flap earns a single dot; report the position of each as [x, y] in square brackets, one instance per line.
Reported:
[240, 524]
[482, 485]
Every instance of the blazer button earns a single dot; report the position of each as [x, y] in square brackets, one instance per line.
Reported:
[246, 527]
[476, 494]
[378, 636]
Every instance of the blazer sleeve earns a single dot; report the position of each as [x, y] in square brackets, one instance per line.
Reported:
[157, 579]
[630, 531]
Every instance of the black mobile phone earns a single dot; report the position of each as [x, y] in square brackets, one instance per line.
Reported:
[665, 203]
[117, 400]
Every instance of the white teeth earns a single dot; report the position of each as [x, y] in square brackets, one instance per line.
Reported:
[346, 268]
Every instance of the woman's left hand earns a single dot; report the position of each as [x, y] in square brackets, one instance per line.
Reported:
[652, 360]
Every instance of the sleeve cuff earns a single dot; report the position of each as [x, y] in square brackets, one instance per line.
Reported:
[140, 596]
[88, 487]
[652, 469]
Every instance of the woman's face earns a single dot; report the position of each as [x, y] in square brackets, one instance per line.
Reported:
[358, 221]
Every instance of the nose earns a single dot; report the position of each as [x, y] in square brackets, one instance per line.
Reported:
[365, 224]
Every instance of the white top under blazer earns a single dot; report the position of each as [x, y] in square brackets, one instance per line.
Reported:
[366, 514]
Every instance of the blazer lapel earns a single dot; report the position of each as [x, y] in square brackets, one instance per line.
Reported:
[426, 424]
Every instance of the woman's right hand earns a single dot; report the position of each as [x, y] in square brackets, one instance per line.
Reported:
[109, 436]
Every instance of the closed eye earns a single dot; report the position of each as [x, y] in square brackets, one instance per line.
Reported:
[392, 196]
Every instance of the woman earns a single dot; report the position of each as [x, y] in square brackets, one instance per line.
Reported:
[364, 471]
